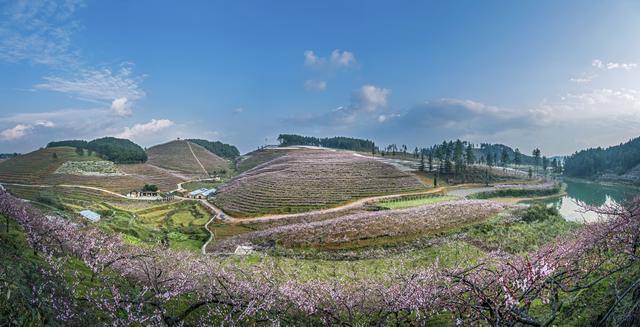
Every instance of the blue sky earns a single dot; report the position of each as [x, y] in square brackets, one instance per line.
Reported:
[561, 75]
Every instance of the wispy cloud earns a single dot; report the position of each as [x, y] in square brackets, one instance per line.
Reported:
[39, 32]
[366, 104]
[145, 129]
[583, 79]
[98, 84]
[315, 85]
[597, 63]
[21, 130]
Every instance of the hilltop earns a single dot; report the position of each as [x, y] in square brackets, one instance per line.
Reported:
[187, 157]
[66, 165]
[619, 163]
[302, 179]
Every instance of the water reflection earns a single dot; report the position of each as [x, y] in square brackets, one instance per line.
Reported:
[590, 193]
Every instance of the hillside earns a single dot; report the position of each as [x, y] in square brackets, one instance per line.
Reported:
[218, 148]
[121, 151]
[186, 157]
[42, 167]
[258, 157]
[306, 179]
[32, 167]
[619, 163]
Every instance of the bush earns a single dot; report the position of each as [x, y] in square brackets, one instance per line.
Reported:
[540, 212]
[150, 188]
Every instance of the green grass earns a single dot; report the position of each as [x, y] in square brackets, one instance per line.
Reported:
[401, 204]
[179, 225]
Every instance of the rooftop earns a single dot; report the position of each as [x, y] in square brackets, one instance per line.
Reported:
[91, 215]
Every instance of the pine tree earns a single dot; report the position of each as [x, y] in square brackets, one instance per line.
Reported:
[471, 157]
[421, 168]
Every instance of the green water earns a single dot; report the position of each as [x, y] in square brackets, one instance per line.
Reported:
[594, 194]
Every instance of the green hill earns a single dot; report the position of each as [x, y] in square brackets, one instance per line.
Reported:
[218, 148]
[617, 162]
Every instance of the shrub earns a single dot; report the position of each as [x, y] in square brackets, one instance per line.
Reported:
[540, 212]
[150, 188]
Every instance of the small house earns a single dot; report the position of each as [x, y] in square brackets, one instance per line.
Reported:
[206, 194]
[195, 194]
[91, 215]
[143, 194]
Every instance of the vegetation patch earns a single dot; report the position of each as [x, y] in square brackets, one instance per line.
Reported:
[89, 168]
[523, 190]
[413, 201]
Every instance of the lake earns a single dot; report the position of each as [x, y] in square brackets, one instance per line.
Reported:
[590, 193]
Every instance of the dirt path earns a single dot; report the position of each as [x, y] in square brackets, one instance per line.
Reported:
[347, 206]
[211, 235]
[197, 160]
[73, 186]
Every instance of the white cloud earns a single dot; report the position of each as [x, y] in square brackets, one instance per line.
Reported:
[145, 129]
[21, 130]
[371, 98]
[121, 107]
[310, 59]
[238, 110]
[314, 85]
[342, 58]
[583, 79]
[337, 59]
[597, 63]
[15, 133]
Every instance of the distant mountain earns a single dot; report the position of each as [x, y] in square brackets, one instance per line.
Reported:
[620, 162]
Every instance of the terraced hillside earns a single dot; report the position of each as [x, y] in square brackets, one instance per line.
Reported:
[39, 167]
[258, 157]
[177, 155]
[32, 167]
[307, 179]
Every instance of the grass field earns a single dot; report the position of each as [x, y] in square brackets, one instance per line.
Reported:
[415, 202]
[305, 179]
[177, 225]
[258, 157]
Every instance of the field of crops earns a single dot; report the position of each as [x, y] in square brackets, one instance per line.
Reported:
[176, 155]
[176, 225]
[304, 180]
[373, 228]
[258, 157]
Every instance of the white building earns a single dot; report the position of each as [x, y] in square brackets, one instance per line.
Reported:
[91, 215]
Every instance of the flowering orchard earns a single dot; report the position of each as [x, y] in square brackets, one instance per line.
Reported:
[371, 225]
[309, 179]
[124, 284]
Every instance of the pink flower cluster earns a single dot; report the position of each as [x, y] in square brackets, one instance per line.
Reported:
[142, 286]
